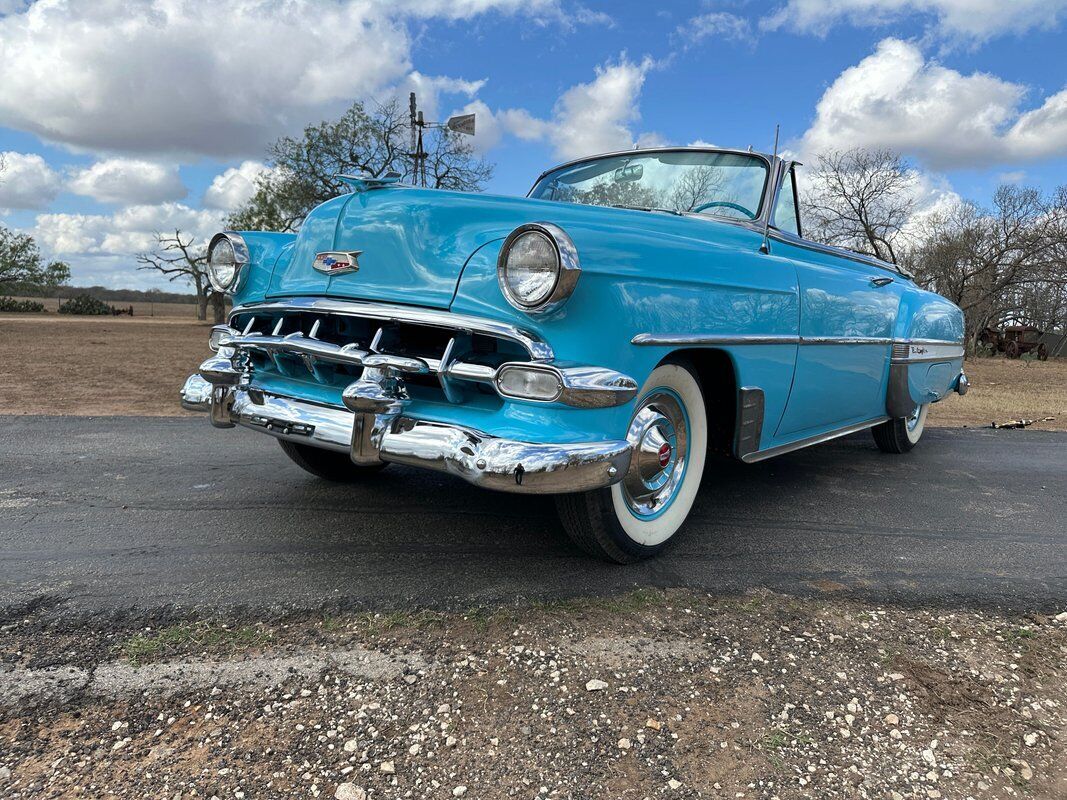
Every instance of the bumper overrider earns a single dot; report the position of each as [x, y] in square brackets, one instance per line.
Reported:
[375, 424]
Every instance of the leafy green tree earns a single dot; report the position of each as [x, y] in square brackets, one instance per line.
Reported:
[21, 263]
[374, 141]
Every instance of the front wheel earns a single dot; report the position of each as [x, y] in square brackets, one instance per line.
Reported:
[901, 434]
[637, 517]
[327, 464]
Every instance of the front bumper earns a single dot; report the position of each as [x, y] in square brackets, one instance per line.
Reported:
[480, 459]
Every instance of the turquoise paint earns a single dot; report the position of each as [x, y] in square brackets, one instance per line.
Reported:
[641, 273]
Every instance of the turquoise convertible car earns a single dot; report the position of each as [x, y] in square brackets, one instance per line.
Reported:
[595, 340]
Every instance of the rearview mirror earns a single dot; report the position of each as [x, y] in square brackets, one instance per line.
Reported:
[629, 173]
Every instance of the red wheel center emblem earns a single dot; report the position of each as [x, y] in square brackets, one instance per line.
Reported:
[664, 454]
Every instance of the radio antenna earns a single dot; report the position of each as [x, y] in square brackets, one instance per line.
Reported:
[766, 246]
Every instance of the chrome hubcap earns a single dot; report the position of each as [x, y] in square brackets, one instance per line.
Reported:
[660, 439]
[913, 420]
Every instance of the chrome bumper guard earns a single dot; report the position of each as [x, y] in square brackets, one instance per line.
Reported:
[373, 427]
[478, 458]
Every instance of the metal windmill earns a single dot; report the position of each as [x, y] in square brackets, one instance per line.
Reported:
[464, 123]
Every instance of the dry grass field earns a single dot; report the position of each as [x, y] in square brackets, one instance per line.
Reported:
[52, 364]
[1003, 389]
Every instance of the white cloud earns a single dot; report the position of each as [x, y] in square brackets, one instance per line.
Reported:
[720, 25]
[129, 180]
[26, 181]
[895, 98]
[215, 77]
[128, 231]
[973, 20]
[592, 117]
[235, 186]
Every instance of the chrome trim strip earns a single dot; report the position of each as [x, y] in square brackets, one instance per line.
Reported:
[480, 459]
[537, 347]
[958, 342]
[686, 339]
[785, 237]
[644, 150]
[681, 339]
[916, 353]
[824, 340]
[770, 452]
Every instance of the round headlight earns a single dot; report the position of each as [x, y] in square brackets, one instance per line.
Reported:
[538, 267]
[225, 256]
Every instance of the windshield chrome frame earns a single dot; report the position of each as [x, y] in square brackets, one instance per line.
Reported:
[777, 168]
[769, 183]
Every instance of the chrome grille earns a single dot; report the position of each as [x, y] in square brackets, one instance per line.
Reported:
[332, 348]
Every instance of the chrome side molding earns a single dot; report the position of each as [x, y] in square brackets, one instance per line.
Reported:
[789, 447]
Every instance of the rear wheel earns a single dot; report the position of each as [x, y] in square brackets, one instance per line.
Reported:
[901, 434]
[327, 464]
[638, 516]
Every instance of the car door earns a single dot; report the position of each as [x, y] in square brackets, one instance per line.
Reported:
[848, 309]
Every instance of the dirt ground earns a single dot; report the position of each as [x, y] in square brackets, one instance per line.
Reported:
[51, 364]
[1003, 389]
[653, 694]
[88, 366]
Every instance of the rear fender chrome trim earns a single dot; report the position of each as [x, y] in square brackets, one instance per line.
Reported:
[915, 352]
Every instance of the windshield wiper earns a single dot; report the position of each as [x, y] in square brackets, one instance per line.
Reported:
[649, 208]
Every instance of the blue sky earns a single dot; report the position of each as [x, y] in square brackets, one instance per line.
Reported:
[121, 118]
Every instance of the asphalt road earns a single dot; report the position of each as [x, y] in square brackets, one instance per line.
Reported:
[107, 516]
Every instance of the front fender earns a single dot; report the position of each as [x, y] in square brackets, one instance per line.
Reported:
[658, 275]
[265, 251]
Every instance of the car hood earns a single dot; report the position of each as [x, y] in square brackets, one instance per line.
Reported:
[413, 243]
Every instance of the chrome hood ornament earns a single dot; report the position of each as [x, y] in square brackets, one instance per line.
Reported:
[337, 263]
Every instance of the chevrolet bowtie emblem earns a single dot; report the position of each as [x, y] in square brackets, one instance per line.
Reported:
[334, 263]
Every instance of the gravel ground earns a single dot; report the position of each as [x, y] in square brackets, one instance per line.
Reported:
[653, 694]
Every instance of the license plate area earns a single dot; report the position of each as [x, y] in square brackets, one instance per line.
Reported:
[284, 427]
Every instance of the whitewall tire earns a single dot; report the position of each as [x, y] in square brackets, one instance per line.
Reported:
[637, 517]
[902, 434]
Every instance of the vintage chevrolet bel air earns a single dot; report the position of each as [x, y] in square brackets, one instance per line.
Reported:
[595, 340]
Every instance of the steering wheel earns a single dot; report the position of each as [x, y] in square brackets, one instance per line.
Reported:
[726, 204]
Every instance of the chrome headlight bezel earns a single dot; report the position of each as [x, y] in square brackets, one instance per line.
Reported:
[567, 268]
[240, 259]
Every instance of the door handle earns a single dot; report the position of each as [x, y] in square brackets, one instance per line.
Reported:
[881, 280]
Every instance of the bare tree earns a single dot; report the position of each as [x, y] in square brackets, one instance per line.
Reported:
[180, 258]
[861, 200]
[999, 264]
[697, 185]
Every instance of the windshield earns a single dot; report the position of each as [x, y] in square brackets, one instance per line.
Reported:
[718, 184]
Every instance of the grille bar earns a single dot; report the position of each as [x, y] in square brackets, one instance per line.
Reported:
[312, 350]
[537, 348]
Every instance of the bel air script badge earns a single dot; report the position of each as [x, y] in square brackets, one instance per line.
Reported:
[337, 263]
